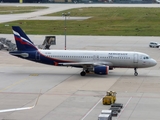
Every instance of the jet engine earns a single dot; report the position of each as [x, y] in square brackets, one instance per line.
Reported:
[101, 70]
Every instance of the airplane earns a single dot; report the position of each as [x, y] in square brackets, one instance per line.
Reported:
[98, 62]
[158, 1]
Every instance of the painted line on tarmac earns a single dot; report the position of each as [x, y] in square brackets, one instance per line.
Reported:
[91, 109]
[14, 84]
[124, 108]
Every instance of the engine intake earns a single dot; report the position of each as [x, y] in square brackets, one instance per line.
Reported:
[101, 70]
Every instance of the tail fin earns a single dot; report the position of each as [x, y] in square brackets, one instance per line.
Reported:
[22, 41]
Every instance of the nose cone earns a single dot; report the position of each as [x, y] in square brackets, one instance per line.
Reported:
[153, 62]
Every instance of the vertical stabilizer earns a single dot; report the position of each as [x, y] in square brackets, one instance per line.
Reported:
[22, 40]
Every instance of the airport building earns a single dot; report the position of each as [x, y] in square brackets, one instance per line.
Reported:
[21, 1]
[78, 1]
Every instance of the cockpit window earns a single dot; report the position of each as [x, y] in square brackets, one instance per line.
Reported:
[145, 57]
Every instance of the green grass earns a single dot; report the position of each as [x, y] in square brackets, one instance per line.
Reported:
[18, 9]
[113, 21]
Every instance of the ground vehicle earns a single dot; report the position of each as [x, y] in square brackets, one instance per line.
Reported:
[118, 109]
[1, 46]
[106, 112]
[112, 113]
[7, 45]
[110, 98]
[154, 44]
[48, 41]
[104, 117]
[120, 105]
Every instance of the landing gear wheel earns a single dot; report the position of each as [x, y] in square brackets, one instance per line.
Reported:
[82, 73]
[135, 72]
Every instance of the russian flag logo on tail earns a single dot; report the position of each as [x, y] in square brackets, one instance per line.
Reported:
[22, 41]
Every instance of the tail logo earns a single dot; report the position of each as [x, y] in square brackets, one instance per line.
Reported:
[21, 39]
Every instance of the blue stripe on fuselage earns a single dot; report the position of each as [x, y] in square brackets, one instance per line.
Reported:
[36, 56]
[48, 60]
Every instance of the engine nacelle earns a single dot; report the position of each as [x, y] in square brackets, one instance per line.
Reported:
[101, 70]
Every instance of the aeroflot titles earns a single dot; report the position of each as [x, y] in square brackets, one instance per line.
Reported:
[118, 54]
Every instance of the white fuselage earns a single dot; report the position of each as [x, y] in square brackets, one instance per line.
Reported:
[122, 59]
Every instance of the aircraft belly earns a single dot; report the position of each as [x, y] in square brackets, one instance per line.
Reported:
[124, 64]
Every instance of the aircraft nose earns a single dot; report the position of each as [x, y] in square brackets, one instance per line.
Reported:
[153, 62]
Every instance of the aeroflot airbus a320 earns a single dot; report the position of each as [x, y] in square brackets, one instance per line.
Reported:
[99, 62]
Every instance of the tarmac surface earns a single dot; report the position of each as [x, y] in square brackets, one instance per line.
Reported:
[65, 95]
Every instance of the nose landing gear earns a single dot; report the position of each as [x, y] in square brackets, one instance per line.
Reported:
[135, 72]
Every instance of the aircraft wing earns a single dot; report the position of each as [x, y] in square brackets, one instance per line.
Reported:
[86, 64]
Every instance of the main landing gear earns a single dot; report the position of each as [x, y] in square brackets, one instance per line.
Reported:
[135, 72]
[83, 73]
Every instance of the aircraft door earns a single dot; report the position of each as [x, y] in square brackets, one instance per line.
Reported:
[37, 56]
[135, 59]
